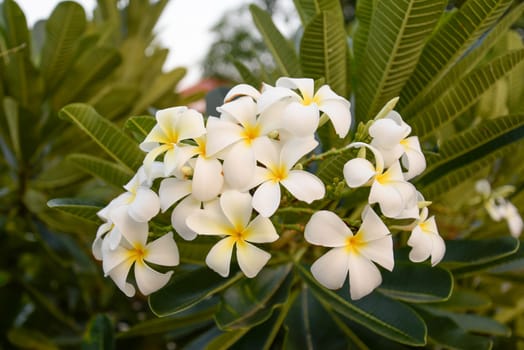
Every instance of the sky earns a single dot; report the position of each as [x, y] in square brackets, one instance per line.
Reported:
[179, 18]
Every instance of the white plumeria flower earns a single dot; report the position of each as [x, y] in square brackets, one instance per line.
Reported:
[390, 138]
[425, 240]
[174, 125]
[173, 190]
[279, 171]
[388, 187]
[351, 254]
[134, 250]
[513, 218]
[232, 220]
[241, 134]
[300, 113]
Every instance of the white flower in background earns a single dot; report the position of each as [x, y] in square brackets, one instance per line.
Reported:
[388, 187]
[174, 125]
[232, 220]
[300, 113]
[135, 251]
[242, 90]
[279, 171]
[390, 138]
[498, 207]
[350, 254]
[425, 240]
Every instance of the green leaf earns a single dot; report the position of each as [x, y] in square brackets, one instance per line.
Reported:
[13, 124]
[79, 208]
[465, 299]
[162, 84]
[363, 13]
[459, 97]
[99, 334]
[387, 317]
[187, 289]
[307, 10]
[24, 338]
[225, 340]
[115, 100]
[247, 75]
[449, 43]
[445, 332]
[417, 283]
[468, 256]
[283, 53]
[64, 27]
[140, 126]
[108, 136]
[397, 34]
[323, 50]
[109, 172]
[252, 301]
[59, 174]
[92, 67]
[466, 63]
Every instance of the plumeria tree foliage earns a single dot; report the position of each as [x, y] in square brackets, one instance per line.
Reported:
[339, 205]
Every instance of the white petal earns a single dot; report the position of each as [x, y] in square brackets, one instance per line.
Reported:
[300, 120]
[338, 111]
[380, 251]
[267, 153]
[389, 131]
[513, 219]
[114, 258]
[243, 110]
[236, 207]
[133, 231]
[364, 276]
[155, 137]
[266, 198]
[388, 197]
[372, 226]
[152, 155]
[306, 86]
[113, 238]
[295, 149]
[331, 269]
[172, 190]
[187, 207]
[163, 251]
[260, 230]
[273, 95]
[221, 134]
[358, 171]
[438, 249]
[167, 120]
[206, 222]
[325, 228]
[421, 244]
[190, 125]
[304, 186]
[251, 259]
[390, 155]
[119, 276]
[145, 206]
[413, 158]
[207, 179]
[149, 280]
[242, 90]
[239, 165]
[219, 257]
[171, 162]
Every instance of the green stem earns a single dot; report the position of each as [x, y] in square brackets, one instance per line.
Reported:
[296, 210]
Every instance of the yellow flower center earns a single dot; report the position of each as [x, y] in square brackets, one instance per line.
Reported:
[201, 147]
[383, 178]
[424, 226]
[278, 173]
[354, 243]
[138, 253]
[238, 233]
[307, 100]
[250, 133]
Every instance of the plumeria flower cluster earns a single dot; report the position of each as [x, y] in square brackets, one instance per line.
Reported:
[499, 207]
[224, 176]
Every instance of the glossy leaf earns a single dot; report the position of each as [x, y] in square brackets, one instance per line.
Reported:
[465, 299]
[187, 289]
[24, 338]
[382, 315]
[109, 172]
[60, 174]
[82, 209]
[323, 50]
[459, 97]
[63, 28]
[306, 9]
[140, 126]
[252, 301]
[397, 34]
[115, 101]
[108, 136]
[283, 52]
[363, 13]
[417, 283]
[99, 334]
[450, 41]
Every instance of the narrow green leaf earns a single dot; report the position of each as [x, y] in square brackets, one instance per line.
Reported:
[140, 125]
[252, 301]
[307, 10]
[82, 209]
[447, 45]
[464, 300]
[108, 136]
[115, 100]
[247, 75]
[225, 340]
[417, 283]
[466, 63]
[56, 175]
[109, 172]
[24, 338]
[363, 13]
[187, 289]
[99, 334]
[64, 27]
[162, 84]
[458, 98]
[13, 124]
[323, 50]
[283, 53]
[387, 317]
[397, 34]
